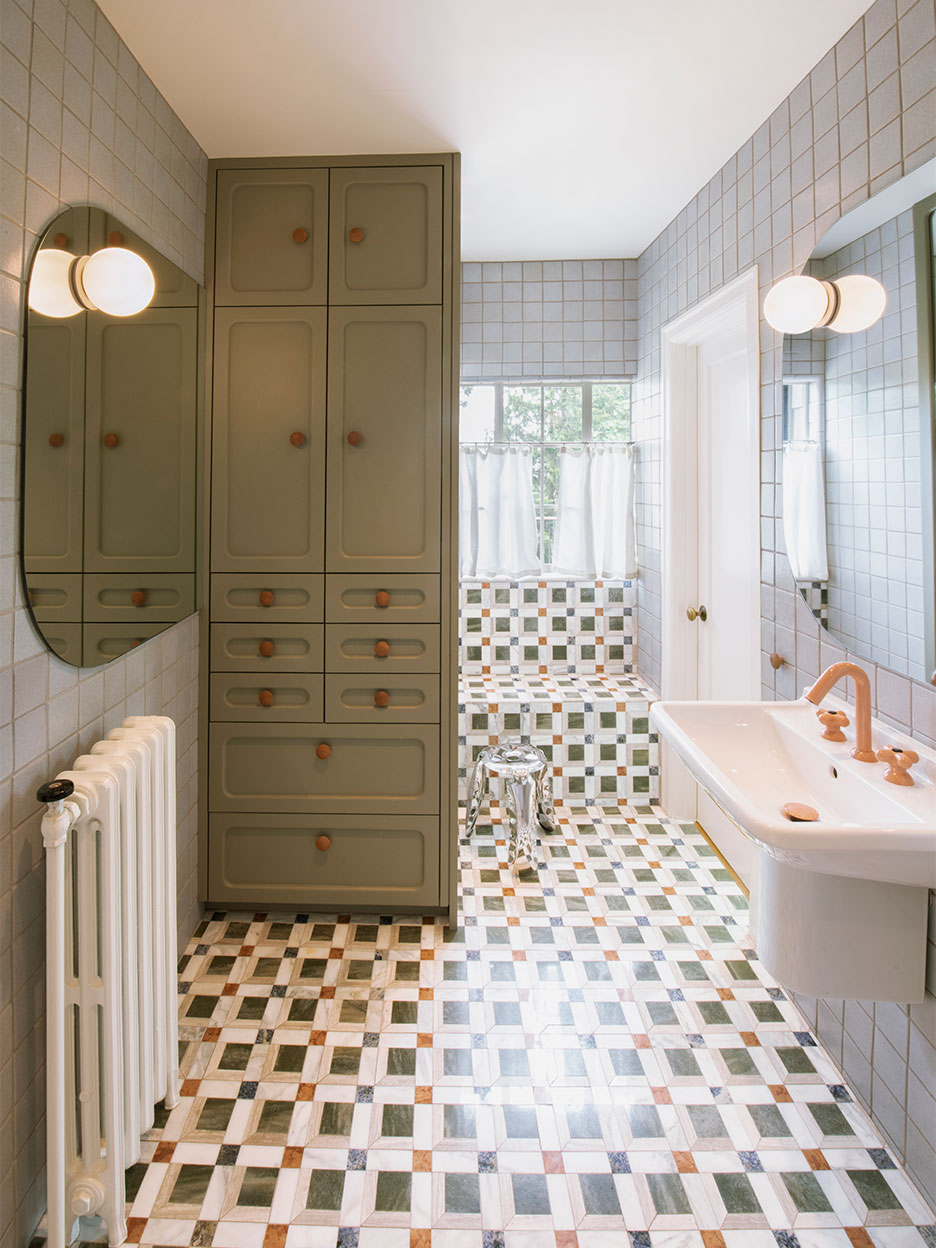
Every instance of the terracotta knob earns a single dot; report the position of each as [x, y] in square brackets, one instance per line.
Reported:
[381, 698]
[777, 661]
[833, 722]
[899, 762]
[382, 649]
[265, 697]
[300, 235]
[115, 239]
[356, 234]
[382, 598]
[323, 751]
[265, 598]
[60, 240]
[266, 648]
[111, 439]
[297, 438]
[355, 438]
[138, 598]
[323, 843]
[56, 440]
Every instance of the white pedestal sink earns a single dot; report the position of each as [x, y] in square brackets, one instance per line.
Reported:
[841, 903]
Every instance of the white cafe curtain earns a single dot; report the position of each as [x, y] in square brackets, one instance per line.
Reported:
[595, 528]
[804, 511]
[497, 516]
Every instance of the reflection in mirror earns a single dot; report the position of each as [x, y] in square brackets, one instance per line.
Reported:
[109, 454]
[858, 439]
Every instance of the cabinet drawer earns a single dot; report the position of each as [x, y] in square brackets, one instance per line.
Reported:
[295, 648]
[382, 699]
[277, 769]
[279, 597]
[162, 598]
[272, 237]
[293, 698]
[358, 599]
[380, 860]
[103, 642]
[54, 596]
[354, 648]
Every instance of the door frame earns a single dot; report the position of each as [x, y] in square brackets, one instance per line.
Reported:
[732, 308]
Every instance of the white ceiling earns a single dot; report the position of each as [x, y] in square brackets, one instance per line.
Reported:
[584, 126]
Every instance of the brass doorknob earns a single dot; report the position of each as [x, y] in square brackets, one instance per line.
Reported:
[382, 649]
[138, 598]
[297, 438]
[323, 843]
[355, 438]
[265, 598]
[300, 235]
[56, 440]
[266, 648]
[356, 234]
[323, 751]
[265, 697]
[693, 614]
[111, 439]
[381, 698]
[382, 598]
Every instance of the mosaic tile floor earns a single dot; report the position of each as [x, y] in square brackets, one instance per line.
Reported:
[593, 1059]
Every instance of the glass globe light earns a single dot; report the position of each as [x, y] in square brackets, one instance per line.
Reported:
[796, 304]
[862, 301]
[116, 281]
[50, 292]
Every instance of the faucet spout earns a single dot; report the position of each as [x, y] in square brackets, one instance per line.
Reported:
[831, 676]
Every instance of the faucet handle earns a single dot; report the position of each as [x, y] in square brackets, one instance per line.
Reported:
[899, 761]
[833, 723]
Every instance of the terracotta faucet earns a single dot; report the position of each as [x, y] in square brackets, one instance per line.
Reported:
[831, 676]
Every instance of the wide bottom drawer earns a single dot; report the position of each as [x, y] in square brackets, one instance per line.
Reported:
[380, 860]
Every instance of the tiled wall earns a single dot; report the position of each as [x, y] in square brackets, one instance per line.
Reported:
[549, 318]
[79, 123]
[864, 117]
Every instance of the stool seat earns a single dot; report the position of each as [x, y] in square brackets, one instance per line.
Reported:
[525, 772]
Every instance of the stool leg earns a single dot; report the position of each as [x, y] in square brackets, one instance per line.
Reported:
[477, 788]
[545, 810]
[520, 791]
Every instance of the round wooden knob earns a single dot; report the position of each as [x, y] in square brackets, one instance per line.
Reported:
[355, 438]
[323, 843]
[382, 649]
[266, 648]
[297, 438]
[56, 440]
[60, 240]
[111, 439]
[138, 598]
[115, 239]
[265, 598]
[381, 698]
[356, 234]
[323, 751]
[382, 598]
[300, 235]
[265, 697]
[777, 661]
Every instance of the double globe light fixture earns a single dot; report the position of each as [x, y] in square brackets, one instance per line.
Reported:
[114, 280]
[848, 305]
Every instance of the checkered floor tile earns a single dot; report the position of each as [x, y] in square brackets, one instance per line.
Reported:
[593, 1059]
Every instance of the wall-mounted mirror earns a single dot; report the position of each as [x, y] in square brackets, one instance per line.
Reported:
[109, 451]
[858, 439]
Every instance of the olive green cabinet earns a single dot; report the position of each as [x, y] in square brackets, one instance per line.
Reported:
[330, 724]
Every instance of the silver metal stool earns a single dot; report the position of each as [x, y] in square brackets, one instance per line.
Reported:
[525, 773]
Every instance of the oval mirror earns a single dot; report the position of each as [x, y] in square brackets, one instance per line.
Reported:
[858, 439]
[110, 439]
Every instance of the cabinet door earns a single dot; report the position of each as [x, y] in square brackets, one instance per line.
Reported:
[384, 440]
[272, 237]
[140, 442]
[268, 440]
[386, 235]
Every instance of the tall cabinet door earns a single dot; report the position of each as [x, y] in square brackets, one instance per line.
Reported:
[268, 440]
[386, 235]
[140, 442]
[384, 440]
[272, 237]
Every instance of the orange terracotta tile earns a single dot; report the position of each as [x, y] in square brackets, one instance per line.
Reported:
[292, 1157]
[704, 956]
[424, 1040]
[779, 1093]
[318, 1037]
[305, 1092]
[327, 993]
[858, 1237]
[661, 1096]
[600, 921]
[513, 921]
[725, 994]
[612, 955]
[750, 1039]
[426, 955]
[685, 920]
[553, 1163]
[189, 1087]
[641, 1041]
[713, 1239]
[212, 1035]
[588, 892]
[668, 890]
[420, 1237]
[335, 952]
[164, 1150]
[509, 892]
[229, 990]
[135, 1229]
[567, 1239]
[275, 1234]
[425, 994]
[816, 1158]
[245, 951]
[424, 1095]
[422, 1159]
[519, 955]
[685, 1163]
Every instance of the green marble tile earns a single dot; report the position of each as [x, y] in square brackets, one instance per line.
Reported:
[191, 1185]
[275, 1117]
[397, 1120]
[714, 1014]
[707, 1122]
[406, 972]
[668, 1194]
[737, 1193]
[462, 1193]
[766, 1011]
[584, 1123]
[599, 1195]
[336, 1118]
[806, 1192]
[393, 1191]
[530, 1194]
[644, 1122]
[796, 1060]
[456, 1063]
[235, 1057]
[521, 1123]
[345, 1061]
[252, 1007]
[353, 1011]
[626, 1062]
[302, 1009]
[830, 1119]
[359, 969]
[326, 1189]
[402, 1063]
[258, 1186]
[874, 1190]
[739, 1062]
[769, 1121]
[290, 1058]
[458, 1122]
[216, 1114]
[404, 1013]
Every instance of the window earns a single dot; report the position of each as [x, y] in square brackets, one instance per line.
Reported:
[548, 415]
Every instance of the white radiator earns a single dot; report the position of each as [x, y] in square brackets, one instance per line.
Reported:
[111, 1031]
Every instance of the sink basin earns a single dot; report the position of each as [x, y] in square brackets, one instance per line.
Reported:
[754, 757]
